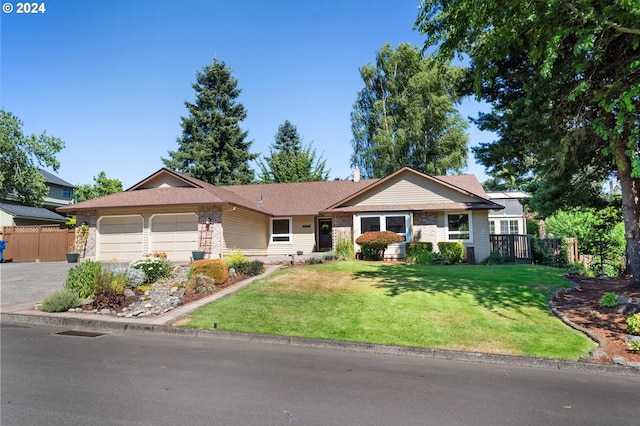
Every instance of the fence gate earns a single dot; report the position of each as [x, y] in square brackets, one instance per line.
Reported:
[38, 243]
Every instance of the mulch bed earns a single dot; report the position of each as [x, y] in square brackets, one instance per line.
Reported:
[581, 306]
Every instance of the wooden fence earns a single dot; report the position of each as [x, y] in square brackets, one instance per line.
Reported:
[513, 248]
[40, 243]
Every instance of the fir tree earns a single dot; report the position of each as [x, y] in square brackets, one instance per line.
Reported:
[290, 161]
[213, 147]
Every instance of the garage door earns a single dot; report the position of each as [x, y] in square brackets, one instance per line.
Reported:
[175, 234]
[120, 237]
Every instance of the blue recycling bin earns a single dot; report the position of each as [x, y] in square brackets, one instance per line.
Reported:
[3, 244]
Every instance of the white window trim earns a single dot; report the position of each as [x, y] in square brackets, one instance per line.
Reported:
[446, 227]
[383, 223]
[289, 235]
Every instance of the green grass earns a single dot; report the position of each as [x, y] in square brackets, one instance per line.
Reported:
[492, 309]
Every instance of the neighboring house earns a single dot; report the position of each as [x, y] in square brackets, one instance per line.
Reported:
[174, 213]
[511, 219]
[60, 191]
[60, 194]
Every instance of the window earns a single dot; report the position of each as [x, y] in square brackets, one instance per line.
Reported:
[66, 192]
[492, 226]
[513, 227]
[394, 223]
[281, 231]
[369, 224]
[458, 227]
[504, 227]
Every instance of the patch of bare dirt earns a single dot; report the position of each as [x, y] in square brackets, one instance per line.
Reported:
[581, 306]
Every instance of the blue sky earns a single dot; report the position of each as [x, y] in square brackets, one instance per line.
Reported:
[110, 77]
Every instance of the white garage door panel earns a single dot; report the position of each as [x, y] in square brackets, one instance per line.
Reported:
[175, 234]
[120, 237]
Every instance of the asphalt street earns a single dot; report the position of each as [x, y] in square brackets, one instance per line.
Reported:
[131, 378]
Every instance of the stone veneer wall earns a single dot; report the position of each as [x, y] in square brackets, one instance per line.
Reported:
[90, 218]
[425, 228]
[342, 226]
[214, 213]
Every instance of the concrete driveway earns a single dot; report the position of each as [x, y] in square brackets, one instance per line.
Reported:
[31, 281]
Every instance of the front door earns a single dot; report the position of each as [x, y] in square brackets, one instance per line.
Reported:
[324, 239]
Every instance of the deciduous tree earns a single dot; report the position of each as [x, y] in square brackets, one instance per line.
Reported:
[102, 186]
[563, 77]
[20, 156]
[406, 115]
[213, 147]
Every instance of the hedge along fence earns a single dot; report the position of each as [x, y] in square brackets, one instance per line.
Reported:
[374, 243]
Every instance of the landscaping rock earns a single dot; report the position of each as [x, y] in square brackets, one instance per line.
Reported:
[619, 360]
[621, 300]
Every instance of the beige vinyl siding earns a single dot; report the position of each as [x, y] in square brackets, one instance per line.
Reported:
[120, 237]
[481, 235]
[6, 219]
[304, 238]
[165, 181]
[480, 225]
[409, 188]
[246, 231]
[174, 234]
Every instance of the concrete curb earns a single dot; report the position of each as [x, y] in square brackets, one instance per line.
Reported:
[227, 336]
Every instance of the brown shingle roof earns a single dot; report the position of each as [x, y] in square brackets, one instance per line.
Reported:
[301, 198]
[279, 199]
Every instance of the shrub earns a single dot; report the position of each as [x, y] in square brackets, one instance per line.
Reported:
[495, 258]
[212, 268]
[345, 249]
[82, 279]
[608, 300]
[314, 260]
[61, 301]
[154, 267]
[251, 268]
[134, 277]
[235, 257]
[201, 284]
[633, 324]
[374, 243]
[418, 252]
[453, 250]
[144, 288]
[634, 345]
[118, 282]
[329, 256]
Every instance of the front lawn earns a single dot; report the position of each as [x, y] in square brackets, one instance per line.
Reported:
[491, 309]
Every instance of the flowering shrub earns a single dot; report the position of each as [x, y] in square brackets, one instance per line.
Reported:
[374, 243]
[154, 267]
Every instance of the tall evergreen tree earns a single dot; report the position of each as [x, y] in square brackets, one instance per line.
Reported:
[290, 161]
[406, 116]
[213, 147]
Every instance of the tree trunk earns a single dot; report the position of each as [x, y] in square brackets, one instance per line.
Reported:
[630, 189]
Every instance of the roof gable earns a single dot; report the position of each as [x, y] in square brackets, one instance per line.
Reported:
[409, 187]
[164, 178]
